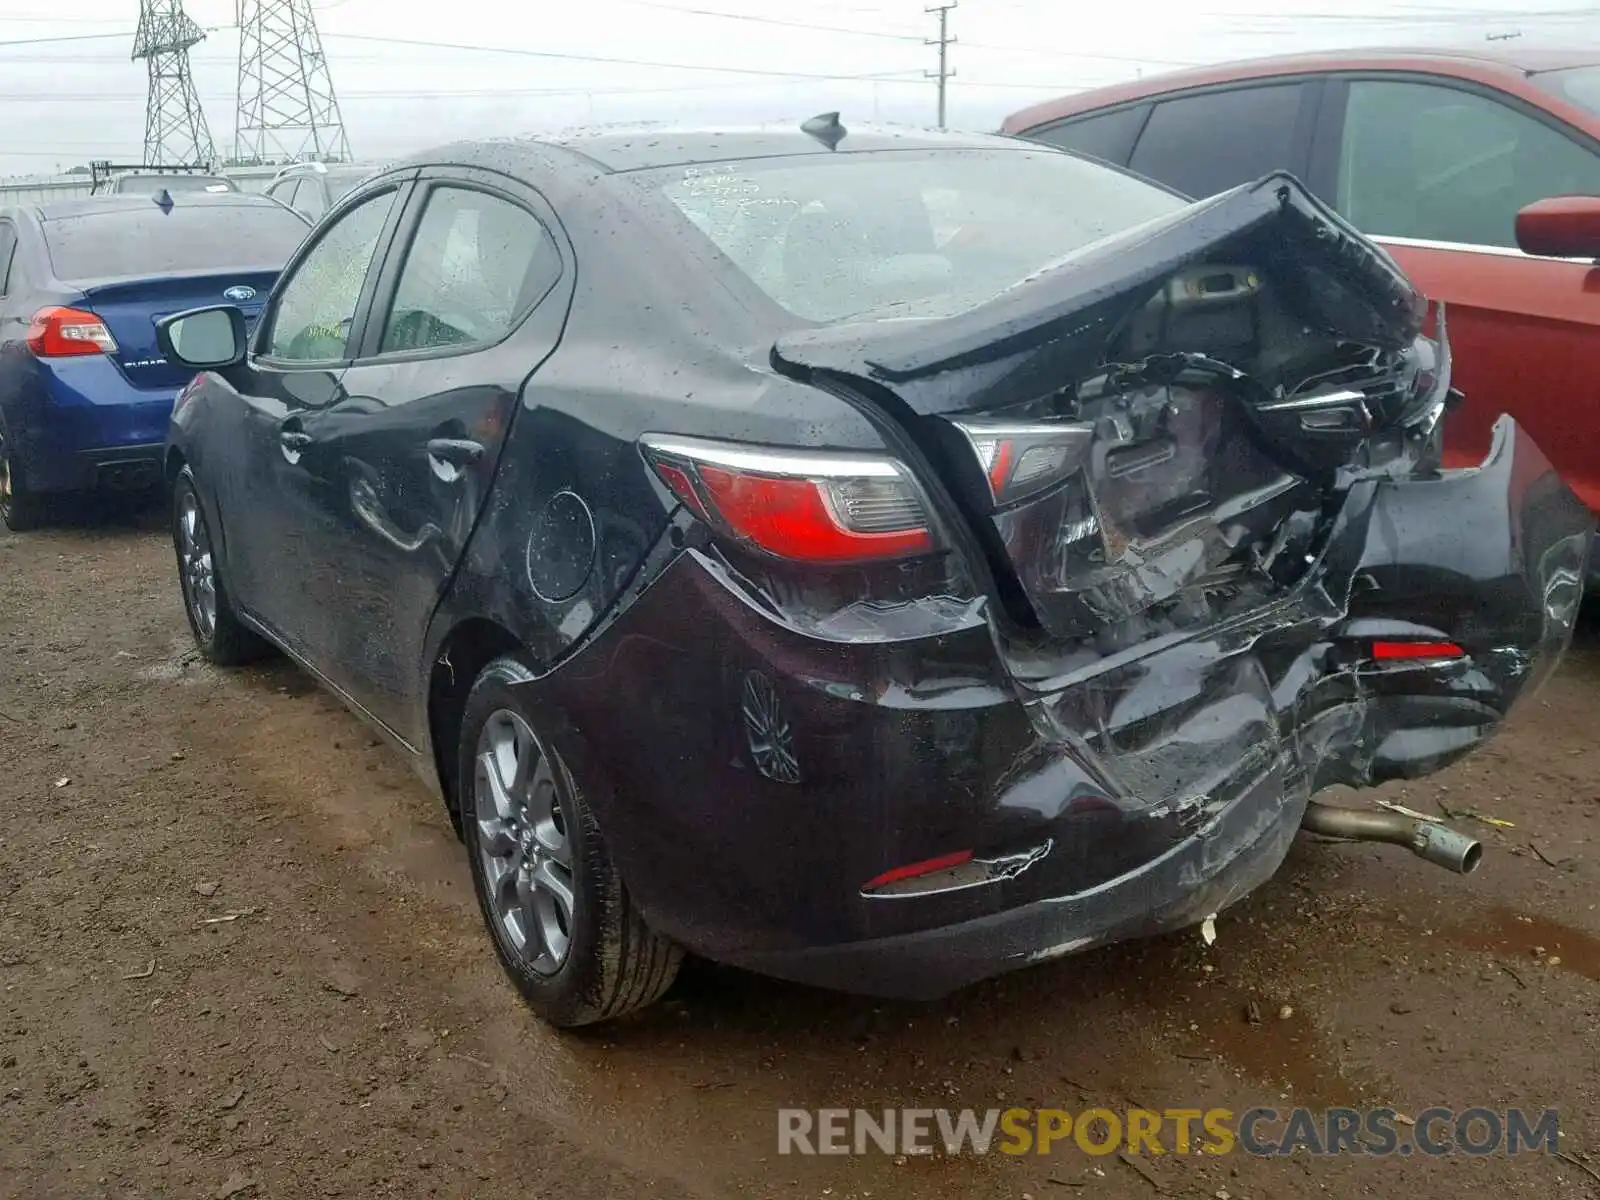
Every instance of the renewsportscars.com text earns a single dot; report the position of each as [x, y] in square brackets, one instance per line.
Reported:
[1259, 1131]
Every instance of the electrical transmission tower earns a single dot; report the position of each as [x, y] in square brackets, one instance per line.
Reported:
[944, 41]
[175, 130]
[287, 109]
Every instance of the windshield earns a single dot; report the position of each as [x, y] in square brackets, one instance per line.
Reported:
[186, 237]
[902, 233]
[1580, 85]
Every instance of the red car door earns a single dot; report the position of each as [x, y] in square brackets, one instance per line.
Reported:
[1436, 170]
[1525, 335]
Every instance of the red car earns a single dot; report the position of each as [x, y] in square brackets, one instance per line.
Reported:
[1478, 170]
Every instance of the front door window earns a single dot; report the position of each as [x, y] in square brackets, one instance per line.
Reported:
[1437, 163]
[317, 306]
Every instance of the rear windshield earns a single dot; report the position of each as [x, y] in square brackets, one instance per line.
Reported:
[1580, 85]
[150, 241]
[902, 233]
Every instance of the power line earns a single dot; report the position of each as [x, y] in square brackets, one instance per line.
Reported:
[944, 42]
[69, 37]
[902, 77]
[1082, 54]
[55, 20]
[729, 16]
[585, 58]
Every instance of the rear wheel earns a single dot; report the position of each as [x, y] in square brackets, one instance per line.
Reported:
[20, 509]
[561, 920]
[217, 631]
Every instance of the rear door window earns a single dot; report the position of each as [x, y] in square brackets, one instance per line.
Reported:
[141, 240]
[477, 265]
[284, 191]
[1209, 142]
[1107, 136]
[1439, 163]
[309, 198]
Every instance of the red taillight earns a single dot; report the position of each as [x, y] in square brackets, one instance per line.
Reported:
[805, 505]
[65, 332]
[1022, 460]
[917, 869]
[678, 480]
[1392, 651]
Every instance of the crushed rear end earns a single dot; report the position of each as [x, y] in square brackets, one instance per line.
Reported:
[1195, 560]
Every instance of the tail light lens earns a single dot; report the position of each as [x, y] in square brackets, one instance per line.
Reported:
[67, 332]
[802, 505]
[1412, 651]
[1022, 459]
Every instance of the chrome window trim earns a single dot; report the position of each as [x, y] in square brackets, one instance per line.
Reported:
[1385, 239]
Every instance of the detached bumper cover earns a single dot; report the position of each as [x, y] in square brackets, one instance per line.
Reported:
[1136, 795]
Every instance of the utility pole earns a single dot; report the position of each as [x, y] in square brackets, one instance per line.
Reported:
[944, 41]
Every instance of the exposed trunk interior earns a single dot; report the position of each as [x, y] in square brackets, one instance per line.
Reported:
[1204, 387]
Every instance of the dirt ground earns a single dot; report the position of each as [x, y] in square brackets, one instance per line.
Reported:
[239, 956]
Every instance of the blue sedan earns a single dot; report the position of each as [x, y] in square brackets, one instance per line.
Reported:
[85, 392]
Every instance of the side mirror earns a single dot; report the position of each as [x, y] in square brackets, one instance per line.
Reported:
[203, 338]
[1561, 227]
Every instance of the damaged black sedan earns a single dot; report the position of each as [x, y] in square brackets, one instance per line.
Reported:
[877, 560]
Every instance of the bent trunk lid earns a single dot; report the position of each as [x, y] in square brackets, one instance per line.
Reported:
[1207, 381]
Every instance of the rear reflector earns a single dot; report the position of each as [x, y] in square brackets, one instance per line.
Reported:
[1391, 651]
[804, 505]
[913, 870]
[68, 332]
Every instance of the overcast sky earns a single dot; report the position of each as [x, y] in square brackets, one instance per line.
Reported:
[66, 102]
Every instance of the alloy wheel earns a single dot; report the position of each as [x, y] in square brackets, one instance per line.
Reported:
[194, 555]
[522, 841]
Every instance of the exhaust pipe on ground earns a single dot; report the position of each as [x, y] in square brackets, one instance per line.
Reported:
[1441, 846]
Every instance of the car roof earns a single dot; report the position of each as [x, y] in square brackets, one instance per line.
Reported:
[635, 148]
[57, 210]
[1478, 61]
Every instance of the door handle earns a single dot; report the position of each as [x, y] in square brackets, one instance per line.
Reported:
[458, 452]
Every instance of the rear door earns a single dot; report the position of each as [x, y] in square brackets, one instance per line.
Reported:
[399, 466]
[1108, 136]
[1205, 142]
[1436, 169]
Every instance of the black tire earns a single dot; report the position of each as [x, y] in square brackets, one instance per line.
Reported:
[20, 509]
[218, 634]
[614, 963]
